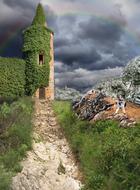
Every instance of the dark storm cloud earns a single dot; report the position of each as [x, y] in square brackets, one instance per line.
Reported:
[24, 10]
[101, 31]
[17, 16]
[27, 8]
[85, 46]
[76, 56]
[61, 42]
[51, 19]
[28, 4]
[83, 79]
[14, 47]
[82, 41]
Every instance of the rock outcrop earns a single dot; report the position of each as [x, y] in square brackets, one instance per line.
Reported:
[97, 106]
[67, 94]
[91, 105]
[51, 164]
[127, 85]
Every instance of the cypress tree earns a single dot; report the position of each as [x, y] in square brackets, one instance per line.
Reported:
[40, 17]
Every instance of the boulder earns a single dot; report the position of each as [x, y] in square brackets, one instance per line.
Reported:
[91, 106]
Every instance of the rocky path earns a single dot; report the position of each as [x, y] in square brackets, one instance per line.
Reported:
[50, 165]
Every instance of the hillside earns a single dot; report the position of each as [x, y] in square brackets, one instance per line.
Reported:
[127, 85]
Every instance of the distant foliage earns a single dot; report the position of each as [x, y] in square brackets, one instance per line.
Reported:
[12, 77]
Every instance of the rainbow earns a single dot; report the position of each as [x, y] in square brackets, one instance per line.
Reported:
[82, 9]
[66, 9]
[8, 37]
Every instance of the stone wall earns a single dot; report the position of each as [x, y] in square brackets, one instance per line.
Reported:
[50, 89]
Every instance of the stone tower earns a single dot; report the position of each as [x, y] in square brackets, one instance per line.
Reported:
[39, 55]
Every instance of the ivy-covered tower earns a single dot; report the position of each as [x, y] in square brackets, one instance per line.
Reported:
[38, 53]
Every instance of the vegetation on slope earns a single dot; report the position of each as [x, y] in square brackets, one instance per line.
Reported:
[15, 138]
[109, 155]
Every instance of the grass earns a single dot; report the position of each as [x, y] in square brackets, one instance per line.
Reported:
[109, 156]
[15, 138]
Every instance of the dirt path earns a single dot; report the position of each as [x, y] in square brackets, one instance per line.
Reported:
[50, 165]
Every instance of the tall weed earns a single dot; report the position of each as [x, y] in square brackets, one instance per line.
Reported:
[108, 155]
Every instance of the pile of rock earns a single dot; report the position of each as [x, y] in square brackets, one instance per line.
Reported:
[124, 120]
[97, 106]
[90, 105]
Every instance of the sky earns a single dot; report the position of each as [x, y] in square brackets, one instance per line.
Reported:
[93, 39]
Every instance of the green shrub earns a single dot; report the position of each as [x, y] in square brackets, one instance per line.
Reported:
[4, 110]
[10, 159]
[108, 155]
[5, 179]
[12, 77]
[16, 138]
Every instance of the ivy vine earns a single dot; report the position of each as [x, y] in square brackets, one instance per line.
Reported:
[23, 77]
[37, 40]
[12, 77]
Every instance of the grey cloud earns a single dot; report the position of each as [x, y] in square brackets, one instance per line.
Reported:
[51, 18]
[84, 79]
[83, 45]
[28, 4]
[76, 55]
[84, 48]
[100, 31]
[61, 42]
[19, 17]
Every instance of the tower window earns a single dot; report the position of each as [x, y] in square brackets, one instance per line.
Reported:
[41, 59]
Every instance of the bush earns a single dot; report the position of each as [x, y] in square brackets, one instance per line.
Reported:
[12, 77]
[5, 179]
[16, 139]
[109, 155]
